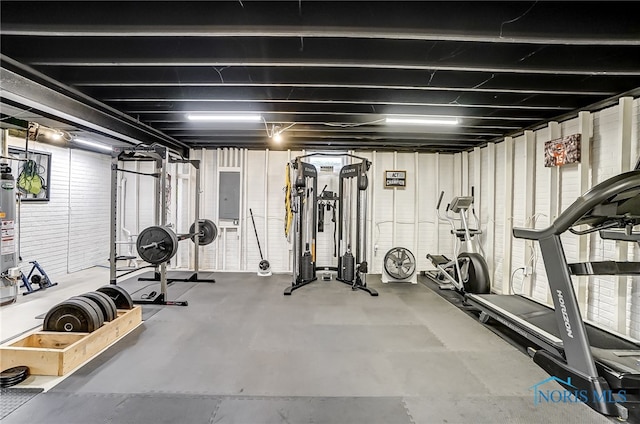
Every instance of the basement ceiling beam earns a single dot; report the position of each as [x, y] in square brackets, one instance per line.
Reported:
[346, 86]
[330, 102]
[297, 32]
[318, 126]
[286, 116]
[329, 64]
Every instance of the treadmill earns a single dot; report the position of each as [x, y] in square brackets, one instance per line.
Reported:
[604, 364]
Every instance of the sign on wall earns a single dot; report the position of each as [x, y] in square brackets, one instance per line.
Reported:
[395, 179]
[562, 151]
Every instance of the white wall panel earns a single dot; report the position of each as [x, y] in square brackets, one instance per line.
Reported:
[256, 197]
[427, 219]
[405, 204]
[519, 214]
[541, 219]
[89, 207]
[383, 225]
[634, 253]
[279, 246]
[499, 218]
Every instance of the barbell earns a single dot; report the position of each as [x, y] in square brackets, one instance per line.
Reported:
[159, 244]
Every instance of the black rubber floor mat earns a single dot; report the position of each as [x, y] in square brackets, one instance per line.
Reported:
[12, 398]
[164, 408]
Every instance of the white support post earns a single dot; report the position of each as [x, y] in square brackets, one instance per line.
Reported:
[585, 128]
[529, 205]
[491, 206]
[416, 205]
[465, 174]
[266, 204]
[508, 213]
[241, 156]
[477, 179]
[555, 188]
[626, 120]
[372, 199]
[626, 163]
[222, 233]
[393, 218]
[290, 238]
[457, 175]
[436, 222]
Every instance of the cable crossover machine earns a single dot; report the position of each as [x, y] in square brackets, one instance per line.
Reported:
[351, 243]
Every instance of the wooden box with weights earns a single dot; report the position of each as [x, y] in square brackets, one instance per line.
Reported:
[73, 332]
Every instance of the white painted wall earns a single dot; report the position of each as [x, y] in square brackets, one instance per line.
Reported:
[70, 232]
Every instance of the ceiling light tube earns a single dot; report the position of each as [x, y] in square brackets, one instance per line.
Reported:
[422, 121]
[224, 118]
[93, 144]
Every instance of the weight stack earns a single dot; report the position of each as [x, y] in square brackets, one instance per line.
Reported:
[8, 287]
[348, 266]
[306, 267]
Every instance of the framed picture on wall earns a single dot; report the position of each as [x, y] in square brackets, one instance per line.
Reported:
[32, 174]
[562, 151]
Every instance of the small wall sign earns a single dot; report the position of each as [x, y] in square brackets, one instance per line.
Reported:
[395, 179]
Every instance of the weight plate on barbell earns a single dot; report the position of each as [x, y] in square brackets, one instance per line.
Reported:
[72, 315]
[157, 244]
[105, 303]
[399, 263]
[119, 295]
[208, 232]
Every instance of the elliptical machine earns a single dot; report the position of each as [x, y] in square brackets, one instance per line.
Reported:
[467, 272]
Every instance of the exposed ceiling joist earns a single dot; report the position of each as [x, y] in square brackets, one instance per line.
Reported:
[297, 31]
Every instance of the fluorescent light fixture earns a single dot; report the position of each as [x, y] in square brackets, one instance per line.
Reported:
[93, 144]
[422, 121]
[224, 118]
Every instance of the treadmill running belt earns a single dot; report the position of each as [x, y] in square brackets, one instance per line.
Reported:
[543, 317]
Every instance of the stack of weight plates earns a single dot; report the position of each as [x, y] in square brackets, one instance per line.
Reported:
[87, 312]
[12, 376]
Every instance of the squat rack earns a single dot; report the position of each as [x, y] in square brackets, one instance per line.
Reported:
[161, 157]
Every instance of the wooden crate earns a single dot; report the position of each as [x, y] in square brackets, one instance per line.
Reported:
[53, 353]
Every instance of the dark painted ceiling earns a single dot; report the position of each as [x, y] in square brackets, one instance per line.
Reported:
[328, 72]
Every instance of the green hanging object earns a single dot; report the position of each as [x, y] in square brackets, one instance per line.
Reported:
[29, 180]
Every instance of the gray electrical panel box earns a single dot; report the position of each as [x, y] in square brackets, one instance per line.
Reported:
[229, 203]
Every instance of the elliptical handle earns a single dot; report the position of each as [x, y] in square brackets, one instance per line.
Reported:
[440, 200]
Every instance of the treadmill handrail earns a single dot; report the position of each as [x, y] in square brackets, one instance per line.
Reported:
[583, 204]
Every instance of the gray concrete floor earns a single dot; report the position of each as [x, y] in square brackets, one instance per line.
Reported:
[241, 352]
